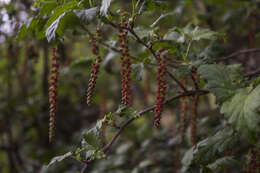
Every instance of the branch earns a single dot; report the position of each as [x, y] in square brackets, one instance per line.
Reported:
[107, 147]
[84, 168]
[233, 55]
[133, 57]
[139, 40]
[252, 74]
[177, 81]
[105, 44]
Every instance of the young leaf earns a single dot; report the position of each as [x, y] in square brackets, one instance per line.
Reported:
[92, 137]
[221, 80]
[64, 21]
[104, 7]
[195, 33]
[243, 112]
[59, 158]
[175, 36]
[200, 33]
[59, 11]
[126, 111]
[86, 15]
[51, 31]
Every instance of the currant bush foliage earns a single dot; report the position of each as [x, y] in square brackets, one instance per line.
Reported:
[191, 46]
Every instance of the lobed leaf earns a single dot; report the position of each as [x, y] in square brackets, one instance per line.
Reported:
[242, 111]
[210, 149]
[221, 80]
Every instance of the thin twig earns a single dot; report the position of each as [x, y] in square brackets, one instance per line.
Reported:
[139, 40]
[252, 74]
[177, 81]
[84, 169]
[233, 55]
[196, 85]
[107, 147]
[141, 113]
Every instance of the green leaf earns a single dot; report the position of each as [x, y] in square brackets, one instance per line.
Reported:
[211, 148]
[163, 16]
[200, 33]
[22, 33]
[126, 111]
[47, 7]
[86, 15]
[221, 80]
[92, 137]
[169, 45]
[191, 33]
[29, 26]
[104, 7]
[51, 31]
[142, 32]
[174, 36]
[59, 11]
[149, 5]
[222, 163]
[243, 113]
[59, 158]
[196, 33]
[64, 21]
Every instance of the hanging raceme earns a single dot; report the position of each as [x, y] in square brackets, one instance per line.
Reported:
[183, 109]
[193, 113]
[252, 163]
[53, 92]
[96, 39]
[161, 86]
[125, 61]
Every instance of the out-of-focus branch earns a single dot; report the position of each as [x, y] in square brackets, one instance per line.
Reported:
[252, 74]
[235, 54]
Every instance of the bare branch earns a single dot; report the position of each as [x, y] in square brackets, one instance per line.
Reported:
[235, 54]
[252, 74]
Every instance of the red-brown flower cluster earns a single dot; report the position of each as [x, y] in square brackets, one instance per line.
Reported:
[193, 119]
[125, 63]
[253, 162]
[194, 111]
[53, 92]
[96, 39]
[161, 86]
[183, 109]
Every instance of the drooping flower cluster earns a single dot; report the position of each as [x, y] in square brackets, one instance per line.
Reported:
[161, 86]
[96, 39]
[53, 92]
[253, 162]
[194, 112]
[183, 109]
[125, 62]
[193, 119]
